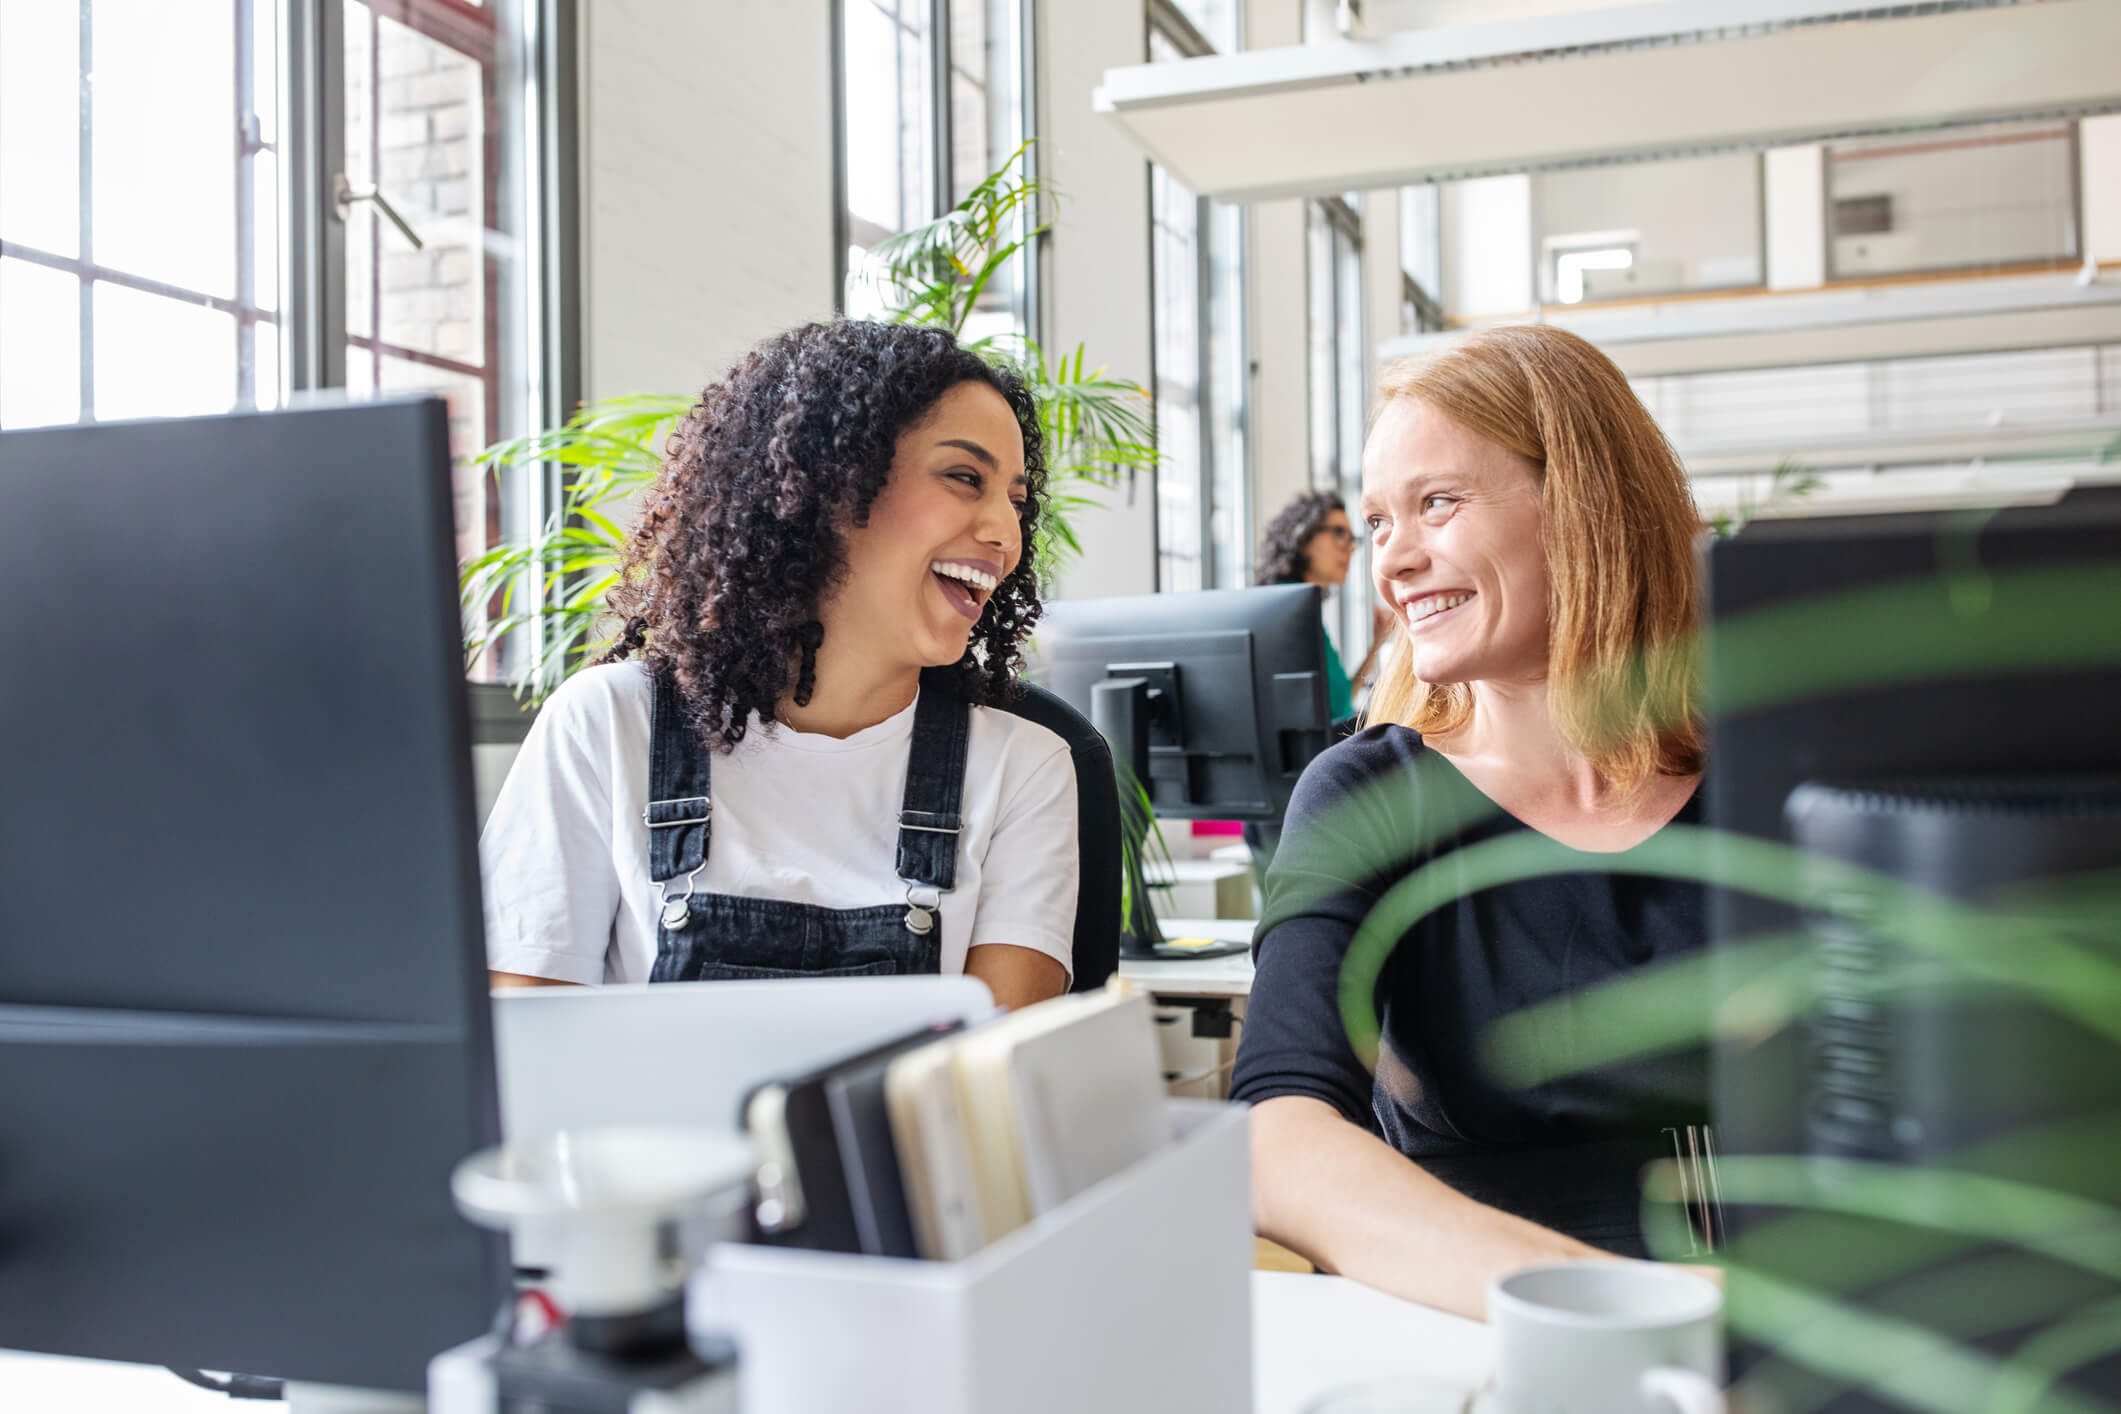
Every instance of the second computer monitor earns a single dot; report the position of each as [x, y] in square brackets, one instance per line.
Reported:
[1217, 700]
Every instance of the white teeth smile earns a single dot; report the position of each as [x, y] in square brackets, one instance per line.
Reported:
[966, 574]
[1433, 605]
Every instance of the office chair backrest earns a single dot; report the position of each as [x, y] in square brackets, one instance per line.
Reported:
[1097, 905]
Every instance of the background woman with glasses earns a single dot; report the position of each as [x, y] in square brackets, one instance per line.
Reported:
[1311, 542]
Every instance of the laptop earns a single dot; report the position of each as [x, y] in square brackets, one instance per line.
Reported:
[687, 1053]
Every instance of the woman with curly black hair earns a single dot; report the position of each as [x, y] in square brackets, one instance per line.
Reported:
[828, 588]
[1309, 541]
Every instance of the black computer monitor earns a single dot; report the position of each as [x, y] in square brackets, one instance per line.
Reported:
[1215, 701]
[1935, 698]
[244, 1025]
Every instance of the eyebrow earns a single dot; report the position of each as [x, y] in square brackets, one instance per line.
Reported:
[973, 447]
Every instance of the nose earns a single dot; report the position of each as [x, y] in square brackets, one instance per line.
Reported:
[1001, 526]
[1400, 555]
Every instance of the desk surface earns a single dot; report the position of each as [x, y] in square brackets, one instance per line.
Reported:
[1229, 976]
[1310, 1335]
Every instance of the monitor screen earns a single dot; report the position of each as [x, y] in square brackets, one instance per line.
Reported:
[1914, 772]
[243, 1006]
[1232, 684]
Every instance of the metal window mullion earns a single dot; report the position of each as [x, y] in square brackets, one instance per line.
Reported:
[106, 275]
[313, 248]
[1239, 370]
[2083, 249]
[1826, 212]
[559, 310]
[1204, 384]
[375, 179]
[246, 202]
[1341, 217]
[1175, 25]
[942, 161]
[559, 247]
[86, 251]
[840, 223]
[1032, 285]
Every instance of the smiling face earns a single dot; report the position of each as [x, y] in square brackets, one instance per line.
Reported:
[1453, 520]
[944, 531]
[1330, 550]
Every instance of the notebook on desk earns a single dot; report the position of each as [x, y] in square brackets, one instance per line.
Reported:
[1058, 1097]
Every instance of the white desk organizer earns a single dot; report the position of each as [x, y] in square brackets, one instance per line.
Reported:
[1135, 1297]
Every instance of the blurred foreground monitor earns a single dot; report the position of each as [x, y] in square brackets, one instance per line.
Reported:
[1915, 761]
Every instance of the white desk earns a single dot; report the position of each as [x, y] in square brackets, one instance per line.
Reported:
[1310, 1335]
[1229, 976]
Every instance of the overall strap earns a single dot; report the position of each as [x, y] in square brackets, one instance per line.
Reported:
[928, 822]
[677, 811]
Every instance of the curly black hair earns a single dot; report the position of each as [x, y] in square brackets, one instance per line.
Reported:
[1281, 549]
[740, 538]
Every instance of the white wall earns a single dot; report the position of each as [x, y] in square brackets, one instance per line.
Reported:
[707, 185]
[1795, 178]
[1281, 408]
[1980, 196]
[1698, 218]
[1487, 246]
[1097, 259]
[2099, 156]
[1383, 16]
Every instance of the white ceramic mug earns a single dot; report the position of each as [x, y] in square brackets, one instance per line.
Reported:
[1607, 1338]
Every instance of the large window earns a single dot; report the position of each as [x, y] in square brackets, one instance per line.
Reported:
[204, 206]
[1197, 309]
[138, 217]
[933, 99]
[1421, 259]
[1339, 390]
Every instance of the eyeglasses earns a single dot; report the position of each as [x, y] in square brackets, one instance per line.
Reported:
[1340, 534]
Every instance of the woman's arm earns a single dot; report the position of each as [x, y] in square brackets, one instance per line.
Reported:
[1017, 976]
[1357, 1207]
[1323, 1183]
[551, 893]
[518, 979]
[1022, 932]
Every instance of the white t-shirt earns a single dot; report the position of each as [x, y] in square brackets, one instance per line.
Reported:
[811, 819]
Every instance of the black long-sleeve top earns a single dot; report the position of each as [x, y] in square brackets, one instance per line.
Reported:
[1566, 1151]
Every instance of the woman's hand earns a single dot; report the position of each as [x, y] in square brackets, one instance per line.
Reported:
[1337, 1194]
[1382, 619]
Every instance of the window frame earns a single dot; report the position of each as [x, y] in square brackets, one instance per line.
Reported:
[1336, 223]
[244, 306]
[1166, 20]
[313, 265]
[941, 142]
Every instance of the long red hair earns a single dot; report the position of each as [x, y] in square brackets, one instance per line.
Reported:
[1617, 524]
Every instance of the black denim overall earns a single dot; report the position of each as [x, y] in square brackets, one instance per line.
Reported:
[711, 937]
